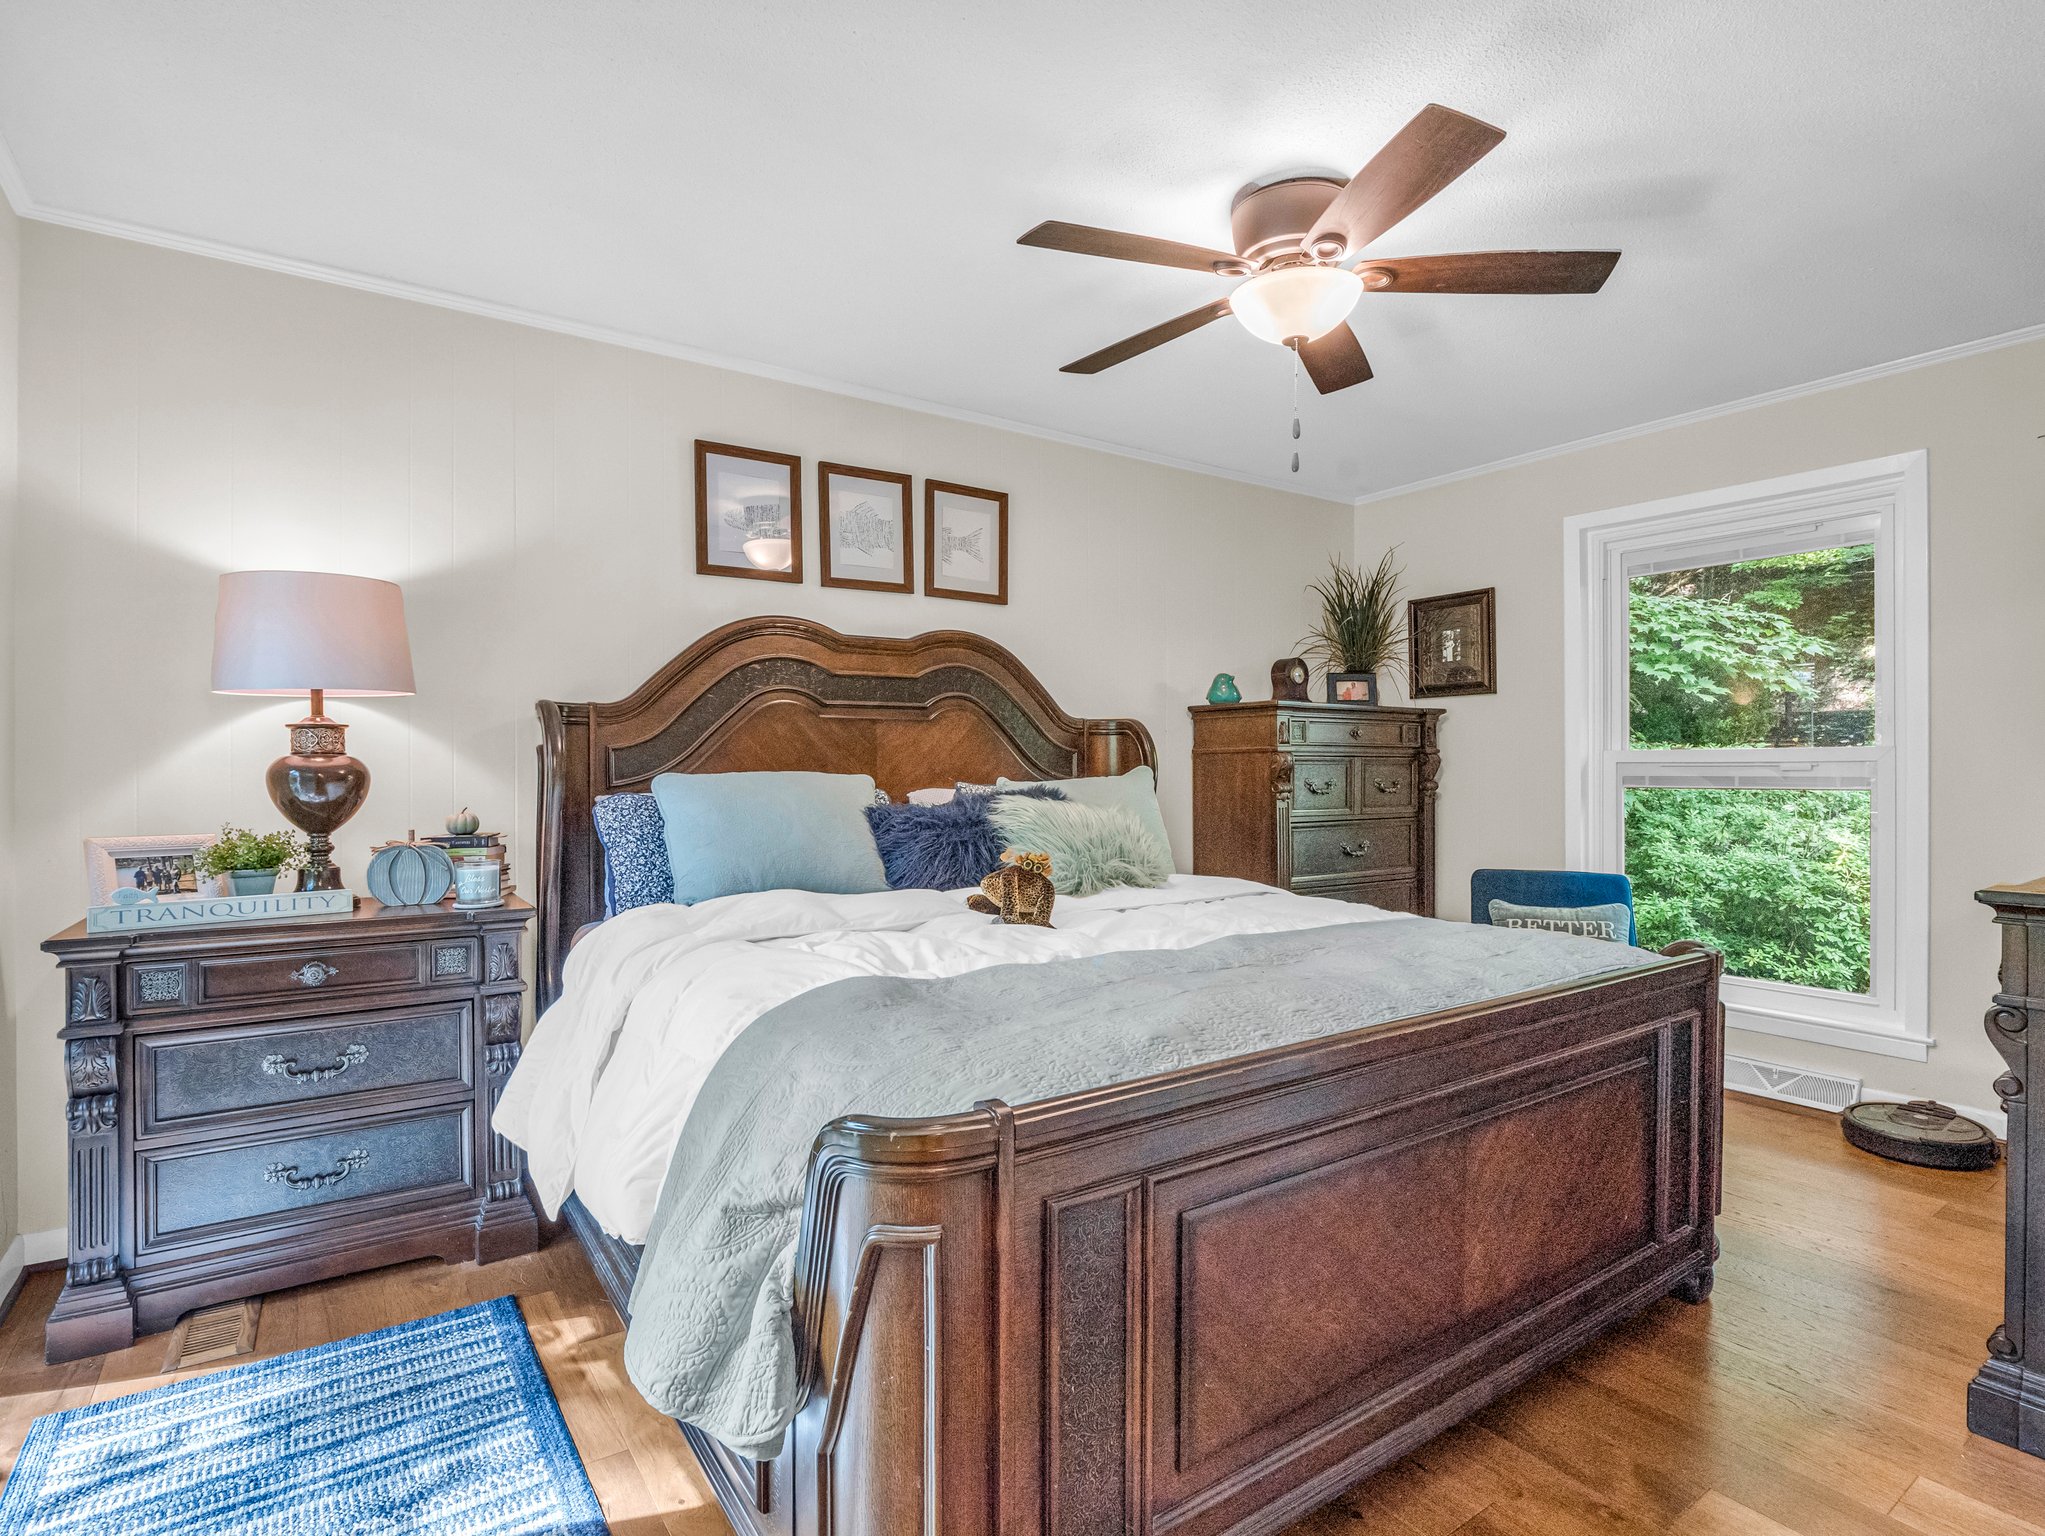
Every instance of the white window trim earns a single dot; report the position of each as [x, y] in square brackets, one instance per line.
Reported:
[1889, 496]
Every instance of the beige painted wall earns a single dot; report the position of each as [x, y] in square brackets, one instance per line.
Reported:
[10, 369]
[183, 416]
[1980, 418]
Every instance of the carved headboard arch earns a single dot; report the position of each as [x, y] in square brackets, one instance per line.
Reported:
[784, 693]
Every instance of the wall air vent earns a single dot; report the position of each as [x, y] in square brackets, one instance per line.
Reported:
[1790, 1085]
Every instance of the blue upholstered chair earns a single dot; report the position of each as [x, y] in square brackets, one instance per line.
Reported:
[1550, 888]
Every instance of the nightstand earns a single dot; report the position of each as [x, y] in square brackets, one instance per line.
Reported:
[257, 1106]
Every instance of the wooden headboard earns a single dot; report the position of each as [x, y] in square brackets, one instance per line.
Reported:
[780, 694]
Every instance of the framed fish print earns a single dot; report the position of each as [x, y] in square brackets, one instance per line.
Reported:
[864, 528]
[965, 542]
[748, 513]
[1454, 644]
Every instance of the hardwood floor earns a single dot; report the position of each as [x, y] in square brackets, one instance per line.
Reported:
[1818, 1393]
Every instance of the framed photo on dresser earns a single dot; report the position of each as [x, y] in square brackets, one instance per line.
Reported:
[865, 528]
[748, 513]
[965, 542]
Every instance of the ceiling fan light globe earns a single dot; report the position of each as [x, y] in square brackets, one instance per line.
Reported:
[1296, 303]
[770, 554]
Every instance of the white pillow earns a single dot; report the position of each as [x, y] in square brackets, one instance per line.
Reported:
[931, 796]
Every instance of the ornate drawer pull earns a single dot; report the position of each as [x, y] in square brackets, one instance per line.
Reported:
[288, 1067]
[1356, 850]
[287, 1173]
[314, 973]
[1356, 733]
[1319, 786]
[1385, 786]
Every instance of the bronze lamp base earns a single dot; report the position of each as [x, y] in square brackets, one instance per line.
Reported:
[318, 786]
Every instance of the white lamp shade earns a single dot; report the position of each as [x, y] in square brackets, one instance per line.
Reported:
[1296, 302]
[284, 632]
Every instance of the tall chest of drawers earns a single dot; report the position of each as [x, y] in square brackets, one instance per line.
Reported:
[252, 1107]
[1324, 799]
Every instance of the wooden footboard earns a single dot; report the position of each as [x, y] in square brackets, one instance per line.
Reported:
[1209, 1301]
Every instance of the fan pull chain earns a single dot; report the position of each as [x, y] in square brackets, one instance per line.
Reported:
[1294, 345]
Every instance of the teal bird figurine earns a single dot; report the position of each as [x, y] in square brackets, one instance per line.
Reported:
[1223, 690]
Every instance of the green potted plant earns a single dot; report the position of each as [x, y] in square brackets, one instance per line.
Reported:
[1361, 632]
[250, 861]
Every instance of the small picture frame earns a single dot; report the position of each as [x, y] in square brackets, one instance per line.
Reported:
[1352, 687]
[157, 866]
[965, 542]
[1452, 644]
[865, 530]
[748, 513]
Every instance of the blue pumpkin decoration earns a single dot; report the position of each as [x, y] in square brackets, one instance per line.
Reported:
[410, 874]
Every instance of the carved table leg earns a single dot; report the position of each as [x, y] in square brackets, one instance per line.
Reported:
[2002, 1399]
[505, 1223]
[94, 1313]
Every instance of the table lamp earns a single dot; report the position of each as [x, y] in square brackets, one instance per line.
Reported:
[286, 632]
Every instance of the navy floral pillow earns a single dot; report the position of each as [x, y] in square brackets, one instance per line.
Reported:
[636, 870]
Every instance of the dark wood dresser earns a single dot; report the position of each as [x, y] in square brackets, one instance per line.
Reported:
[259, 1106]
[1324, 799]
[2006, 1401]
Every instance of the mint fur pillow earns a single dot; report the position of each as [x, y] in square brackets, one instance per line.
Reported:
[1092, 847]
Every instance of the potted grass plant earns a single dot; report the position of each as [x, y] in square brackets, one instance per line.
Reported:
[249, 862]
[1361, 632]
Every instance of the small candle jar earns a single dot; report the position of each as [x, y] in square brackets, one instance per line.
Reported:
[478, 883]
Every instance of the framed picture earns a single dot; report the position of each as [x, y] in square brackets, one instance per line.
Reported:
[748, 513]
[1452, 644]
[1352, 687]
[864, 529]
[161, 866]
[965, 542]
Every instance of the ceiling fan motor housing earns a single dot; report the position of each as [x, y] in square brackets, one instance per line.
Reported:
[1270, 218]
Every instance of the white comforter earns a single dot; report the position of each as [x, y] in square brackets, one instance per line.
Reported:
[653, 996]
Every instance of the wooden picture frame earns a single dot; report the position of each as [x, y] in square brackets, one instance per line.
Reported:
[786, 483]
[1452, 644]
[942, 498]
[865, 528]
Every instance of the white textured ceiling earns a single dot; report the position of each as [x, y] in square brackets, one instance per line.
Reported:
[1801, 188]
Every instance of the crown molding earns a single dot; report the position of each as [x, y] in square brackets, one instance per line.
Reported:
[1930, 359]
[191, 245]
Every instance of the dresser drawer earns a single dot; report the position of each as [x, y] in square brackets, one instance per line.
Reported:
[1351, 849]
[1321, 784]
[1362, 728]
[185, 1080]
[1384, 783]
[1392, 895]
[323, 971]
[259, 1181]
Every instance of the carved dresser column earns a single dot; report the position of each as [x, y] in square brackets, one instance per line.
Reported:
[2006, 1401]
[94, 1313]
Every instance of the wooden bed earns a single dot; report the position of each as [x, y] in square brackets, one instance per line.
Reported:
[1203, 1302]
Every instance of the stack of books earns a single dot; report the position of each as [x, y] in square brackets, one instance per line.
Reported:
[478, 845]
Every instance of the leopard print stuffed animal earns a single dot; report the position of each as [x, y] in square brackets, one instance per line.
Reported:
[1018, 892]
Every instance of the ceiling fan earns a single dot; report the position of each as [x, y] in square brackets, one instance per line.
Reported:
[1298, 240]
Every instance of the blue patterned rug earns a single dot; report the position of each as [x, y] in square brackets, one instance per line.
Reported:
[443, 1427]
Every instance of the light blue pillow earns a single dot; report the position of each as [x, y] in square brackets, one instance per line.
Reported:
[636, 872]
[1134, 791]
[733, 832]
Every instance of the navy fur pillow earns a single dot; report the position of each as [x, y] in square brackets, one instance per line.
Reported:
[942, 847]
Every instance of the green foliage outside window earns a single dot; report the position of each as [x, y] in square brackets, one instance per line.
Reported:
[1777, 879]
[1776, 652]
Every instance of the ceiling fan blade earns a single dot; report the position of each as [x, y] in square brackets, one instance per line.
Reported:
[1491, 272]
[1422, 158]
[1143, 341]
[1335, 361]
[1088, 241]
